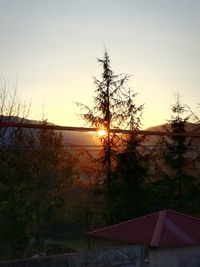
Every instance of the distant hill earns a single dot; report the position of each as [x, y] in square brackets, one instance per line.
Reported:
[69, 137]
[82, 138]
[86, 141]
[153, 139]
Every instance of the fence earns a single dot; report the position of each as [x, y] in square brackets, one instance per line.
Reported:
[6, 255]
[109, 257]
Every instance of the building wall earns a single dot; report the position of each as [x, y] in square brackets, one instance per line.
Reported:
[175, 257]
[113, 256]
[141, 252]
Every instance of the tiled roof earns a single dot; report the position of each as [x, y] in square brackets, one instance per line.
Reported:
[165, 228]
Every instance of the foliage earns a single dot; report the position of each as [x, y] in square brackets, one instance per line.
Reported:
[35, 177]
[114, 107]
[113, 101]
[177, 186]
[130, 178]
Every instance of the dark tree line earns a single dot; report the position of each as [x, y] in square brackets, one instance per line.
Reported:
[137, 180]
[35, 176]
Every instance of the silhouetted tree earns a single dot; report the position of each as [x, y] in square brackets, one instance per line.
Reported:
[130, 176]
[35, 177]
[114, 107]
[11, 220]
[178, 186]
[36, 174]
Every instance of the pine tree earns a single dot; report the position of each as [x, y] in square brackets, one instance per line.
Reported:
[114, 107]
[178, 186]
[130, 178]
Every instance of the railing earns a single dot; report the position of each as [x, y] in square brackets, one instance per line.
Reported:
[112, 257]
[6, 255]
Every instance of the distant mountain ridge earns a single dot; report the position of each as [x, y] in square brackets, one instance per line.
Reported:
[190, 127]
[82, 138]
[69, 137]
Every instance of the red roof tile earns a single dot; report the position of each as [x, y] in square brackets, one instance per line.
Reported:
[166, 228]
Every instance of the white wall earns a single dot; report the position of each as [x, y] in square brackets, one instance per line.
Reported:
[175, 257]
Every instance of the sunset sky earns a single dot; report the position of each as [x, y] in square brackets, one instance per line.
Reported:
[50, 49]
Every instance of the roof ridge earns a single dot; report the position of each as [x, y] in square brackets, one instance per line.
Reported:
[184, 215]
[158, 228]
[123, 223]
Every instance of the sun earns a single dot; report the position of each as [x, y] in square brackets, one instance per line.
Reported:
[101, 133]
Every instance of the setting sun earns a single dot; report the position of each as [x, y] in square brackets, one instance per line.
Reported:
[101, 133]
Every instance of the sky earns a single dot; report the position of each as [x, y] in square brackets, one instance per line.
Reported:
[49, 48]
